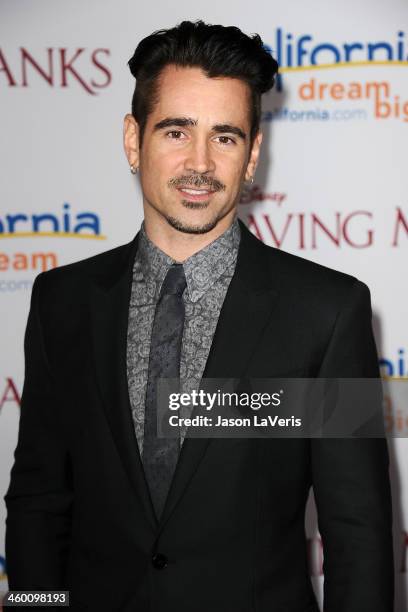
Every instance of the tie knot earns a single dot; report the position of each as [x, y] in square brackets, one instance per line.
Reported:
[175, 281]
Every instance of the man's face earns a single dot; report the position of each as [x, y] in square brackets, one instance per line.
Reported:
[196, 149]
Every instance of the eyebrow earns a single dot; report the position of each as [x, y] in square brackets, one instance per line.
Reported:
[222, 128]
[175, 122]
[219, 128]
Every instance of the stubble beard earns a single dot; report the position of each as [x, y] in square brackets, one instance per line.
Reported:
[180, 226]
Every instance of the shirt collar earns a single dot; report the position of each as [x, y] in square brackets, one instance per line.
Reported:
[202, 269]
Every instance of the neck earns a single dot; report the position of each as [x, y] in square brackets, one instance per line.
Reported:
[180, 245]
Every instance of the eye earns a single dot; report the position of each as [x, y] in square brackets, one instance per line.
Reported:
[175, 135]
[225, 140]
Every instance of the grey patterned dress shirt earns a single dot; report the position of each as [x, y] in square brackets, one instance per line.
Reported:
[208, 274]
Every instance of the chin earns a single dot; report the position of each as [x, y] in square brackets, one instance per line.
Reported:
[192, 228]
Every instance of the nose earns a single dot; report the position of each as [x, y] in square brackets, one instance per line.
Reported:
[199, 158]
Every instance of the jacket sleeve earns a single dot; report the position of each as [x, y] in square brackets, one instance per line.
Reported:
[39, 497]
[351, 481]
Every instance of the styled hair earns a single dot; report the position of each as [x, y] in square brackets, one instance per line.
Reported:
[220, 51]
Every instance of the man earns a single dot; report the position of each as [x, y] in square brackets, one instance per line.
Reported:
[97, 503]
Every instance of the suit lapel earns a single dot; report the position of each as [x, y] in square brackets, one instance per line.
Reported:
[110, 298]
[246, 310]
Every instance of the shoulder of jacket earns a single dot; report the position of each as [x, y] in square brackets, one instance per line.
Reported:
[315, 285]
[306, 272]
[69, 275]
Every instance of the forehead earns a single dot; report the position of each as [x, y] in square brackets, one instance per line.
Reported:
[188, 91]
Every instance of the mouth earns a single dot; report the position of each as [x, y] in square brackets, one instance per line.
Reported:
[197, 195]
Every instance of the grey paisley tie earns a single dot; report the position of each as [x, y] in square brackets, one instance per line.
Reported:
[160, 455]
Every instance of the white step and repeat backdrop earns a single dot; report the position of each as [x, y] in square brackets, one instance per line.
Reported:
[332, 186]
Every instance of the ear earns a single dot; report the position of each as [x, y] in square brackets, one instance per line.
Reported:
[131, 140]
[253, 157]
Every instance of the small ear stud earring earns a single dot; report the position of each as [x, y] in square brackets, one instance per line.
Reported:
[251, 180]
[134, 169]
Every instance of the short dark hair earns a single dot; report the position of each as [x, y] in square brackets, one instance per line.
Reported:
[218, 50]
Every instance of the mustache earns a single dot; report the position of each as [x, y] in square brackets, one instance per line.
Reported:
[197, 180]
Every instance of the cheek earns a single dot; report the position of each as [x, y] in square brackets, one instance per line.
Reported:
[231, 171]
[233, 157]
[163, 165]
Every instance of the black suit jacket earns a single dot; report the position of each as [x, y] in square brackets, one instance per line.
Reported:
[79, 511]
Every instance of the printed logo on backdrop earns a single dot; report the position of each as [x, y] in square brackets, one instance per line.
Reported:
[394, 369]
[9, 393]
[326, 89]
[58, 67]
[270, 217]
[3, 575]
[64, 224]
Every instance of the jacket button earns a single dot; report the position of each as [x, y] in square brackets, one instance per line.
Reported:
[159, 561]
